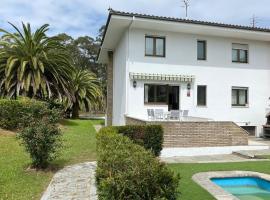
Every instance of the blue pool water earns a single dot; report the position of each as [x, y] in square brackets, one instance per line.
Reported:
[245, 188]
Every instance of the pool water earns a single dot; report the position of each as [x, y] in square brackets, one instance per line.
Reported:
[245, 188]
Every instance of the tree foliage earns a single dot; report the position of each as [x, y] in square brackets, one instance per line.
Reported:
[86, 90]
[55, 68]
[84, 51]
[33, 64]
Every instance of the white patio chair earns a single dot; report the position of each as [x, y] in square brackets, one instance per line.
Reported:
[159, 114]
[185, 113]
[174, 114]
[150, 114]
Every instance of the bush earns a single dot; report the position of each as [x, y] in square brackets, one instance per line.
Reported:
[149, 136]
[126, 170]
[17, 114]
[41, 140]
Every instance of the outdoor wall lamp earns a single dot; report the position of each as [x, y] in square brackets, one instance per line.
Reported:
[188, 86]
[188, 89]
[134, 84]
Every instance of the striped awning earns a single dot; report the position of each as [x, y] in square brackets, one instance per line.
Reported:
[161, 77]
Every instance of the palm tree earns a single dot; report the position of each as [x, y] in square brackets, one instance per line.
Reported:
[33, 64]
[86, 91]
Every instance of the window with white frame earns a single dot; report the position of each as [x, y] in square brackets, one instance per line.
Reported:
[239, 96]
[155, 93]
[240, 53]
[201, 95]
[155, 46]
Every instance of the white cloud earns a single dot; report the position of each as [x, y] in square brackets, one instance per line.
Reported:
[84, 17]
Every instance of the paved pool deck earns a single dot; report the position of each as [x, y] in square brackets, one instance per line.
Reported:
[257, 146]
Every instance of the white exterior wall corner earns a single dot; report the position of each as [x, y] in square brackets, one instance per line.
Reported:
[119, 79]
[217, 72]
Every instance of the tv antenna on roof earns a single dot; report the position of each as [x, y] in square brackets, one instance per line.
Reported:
[186, 5]
[253, 21]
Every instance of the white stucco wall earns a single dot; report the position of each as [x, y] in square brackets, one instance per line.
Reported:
[119, 79]
[218, 73]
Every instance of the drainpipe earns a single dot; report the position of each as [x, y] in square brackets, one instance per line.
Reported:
[127, 66]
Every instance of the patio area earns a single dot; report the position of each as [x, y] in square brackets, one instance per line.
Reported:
[172, 115]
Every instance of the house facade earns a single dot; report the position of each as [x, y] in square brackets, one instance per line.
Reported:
[214, 71]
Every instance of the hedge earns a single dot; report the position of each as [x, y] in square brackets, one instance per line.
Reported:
[127, 171]
[17, 114]
[149, 136]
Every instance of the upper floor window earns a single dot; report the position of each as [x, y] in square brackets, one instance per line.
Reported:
[240, 53]
[154, 46]
[239, 96]
[201, 95]
[201, 50]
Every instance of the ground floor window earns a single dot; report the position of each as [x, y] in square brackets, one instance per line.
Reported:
[155, 93]
[201, 95]
[239, 96]
[250, 129]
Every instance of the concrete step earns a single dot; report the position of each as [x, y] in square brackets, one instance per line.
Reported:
[244, 154]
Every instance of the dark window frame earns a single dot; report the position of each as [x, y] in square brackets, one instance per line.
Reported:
[201, 105]
[238, 96]
[154, 46]
[238, 55]
[155, 95]
[204, 50]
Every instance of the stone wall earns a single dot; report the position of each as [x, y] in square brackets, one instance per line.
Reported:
[198, 134]
[109, 102]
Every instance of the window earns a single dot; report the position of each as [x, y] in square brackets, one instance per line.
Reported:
[201, 50]
[239, 96]
[155, 93]
[154, 46]
[201, 95]
[240, 53]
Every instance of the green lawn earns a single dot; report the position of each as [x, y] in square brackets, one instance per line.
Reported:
[79, 146]
[17, 183]
[191, 191]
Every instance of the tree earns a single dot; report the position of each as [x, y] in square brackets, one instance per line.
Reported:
[86, 90]
[33, 64]
[84, 51]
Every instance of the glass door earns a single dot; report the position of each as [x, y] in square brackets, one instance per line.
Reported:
[173, 97]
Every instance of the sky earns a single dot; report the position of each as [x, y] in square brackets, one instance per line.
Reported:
[85, 17]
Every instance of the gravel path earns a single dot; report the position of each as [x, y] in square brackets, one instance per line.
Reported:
[73, 182]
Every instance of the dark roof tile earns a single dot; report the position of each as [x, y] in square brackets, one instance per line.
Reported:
[189, 21]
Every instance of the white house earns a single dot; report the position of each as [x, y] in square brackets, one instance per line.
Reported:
[215, 71]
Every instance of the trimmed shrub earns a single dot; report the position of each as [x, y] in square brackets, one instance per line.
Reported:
[126, 171]
[149, 136]
[41, 140]
[17, 114]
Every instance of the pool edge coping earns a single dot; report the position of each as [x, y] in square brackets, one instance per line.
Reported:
[203, 179]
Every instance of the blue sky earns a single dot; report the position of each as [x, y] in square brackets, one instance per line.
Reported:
[84, 17]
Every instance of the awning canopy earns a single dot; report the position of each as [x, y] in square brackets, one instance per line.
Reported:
[161, 77]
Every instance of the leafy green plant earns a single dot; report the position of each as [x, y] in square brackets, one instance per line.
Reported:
[33, 64]
[17, 114]
[149, 136]
[126, 170]
[42, 141]
[86, 91]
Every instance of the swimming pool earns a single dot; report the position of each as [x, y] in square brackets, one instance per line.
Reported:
[245, 188]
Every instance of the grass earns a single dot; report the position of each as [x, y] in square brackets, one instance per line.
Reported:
[18, 183]
[79, 146]
[263, 156]
[190, 190]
